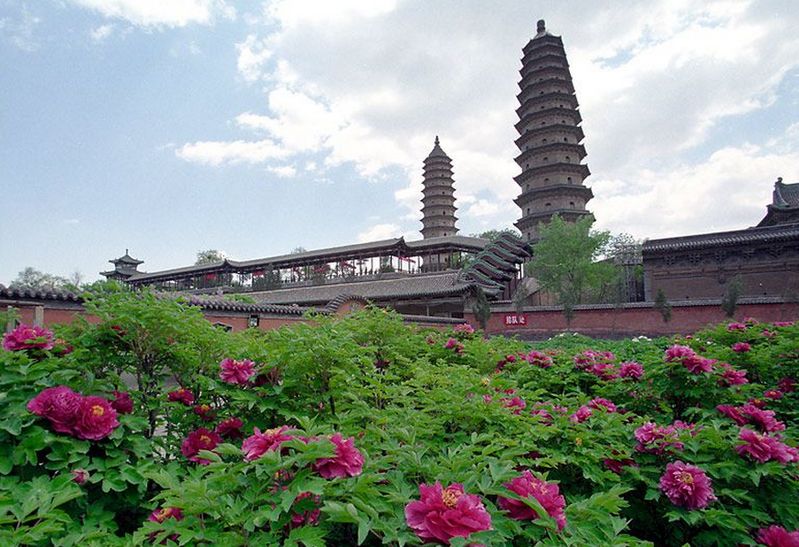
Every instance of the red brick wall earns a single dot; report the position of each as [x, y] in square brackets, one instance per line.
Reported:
[631, 321]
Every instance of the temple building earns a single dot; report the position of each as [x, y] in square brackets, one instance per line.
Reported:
[763, 260]
[550, 149]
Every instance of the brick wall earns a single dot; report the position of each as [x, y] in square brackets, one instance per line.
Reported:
[631, 320]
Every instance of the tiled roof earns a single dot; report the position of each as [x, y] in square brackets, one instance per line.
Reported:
[39, 294]
[412, 286]
[766, 234]
[786, 195]
[507, 251]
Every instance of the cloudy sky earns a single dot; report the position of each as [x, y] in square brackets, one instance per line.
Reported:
[172, 126]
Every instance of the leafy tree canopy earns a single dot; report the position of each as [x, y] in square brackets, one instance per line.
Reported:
[209, 257]
[31, 278]
[493, 235]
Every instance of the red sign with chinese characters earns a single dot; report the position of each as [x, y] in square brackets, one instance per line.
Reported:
[515, 320]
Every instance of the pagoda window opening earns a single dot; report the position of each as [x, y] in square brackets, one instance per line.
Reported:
[568, 159]
[565, 139]
[569, 179]
[546, 179]
[571, 203]
[547, 204]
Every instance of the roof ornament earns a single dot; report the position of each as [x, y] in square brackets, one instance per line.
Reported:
[437, 143]
[541, 27]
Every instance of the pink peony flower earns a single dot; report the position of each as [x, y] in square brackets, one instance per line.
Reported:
[454, 345]
[160, 515]
[95, 419]
[617, 466]
[229, 428]
[603, 371]
[122, 402]
[464, 328]
[777, 536]
[783, 323]
[741, 347]
[599, 402]
[59, 405]
[687, 486]
[590, 357]
[698, 365]
[544, 415]
[787, 385]
[80, 476]
[28, 337]
[678, 354]
[529, 486]
[582, 414]
[733, 327]
[236, 372]
[348, 461]
[763, 448]
[444, 513]
[654, 439]
[199, 439]
[539, 359]
[258, 444]
[181, 395]
[631, 369]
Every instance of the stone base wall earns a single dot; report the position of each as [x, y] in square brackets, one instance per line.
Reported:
[626, 321]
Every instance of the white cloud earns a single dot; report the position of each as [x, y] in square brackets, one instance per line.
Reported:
[169, 13]
[283, 171]
[21, 31]
[102, 32]
[218, 152]
[370, 84]
[380, 231]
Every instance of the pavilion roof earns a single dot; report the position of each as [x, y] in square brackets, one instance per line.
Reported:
[386, 247]
[765, 234]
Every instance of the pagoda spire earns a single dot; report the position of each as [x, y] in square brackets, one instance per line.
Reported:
[438, 201]
[550, 149]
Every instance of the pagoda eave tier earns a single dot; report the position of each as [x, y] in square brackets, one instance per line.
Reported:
[576, 190]
[440, 210]
[542, 42]
[533, 220]
[569, 100]
[437, 171]
[579, 169]
[569, 148]
[550, 56]
[545, 74]
[531, 118]
[542, 88]
[573, 131]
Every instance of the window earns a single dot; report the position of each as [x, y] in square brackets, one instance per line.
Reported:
[547, 204]
[571, 204]
[546, 179]
[568, 159]
[253, 320]
[546, 158]
[569, 179]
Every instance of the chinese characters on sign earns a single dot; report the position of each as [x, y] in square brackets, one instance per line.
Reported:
[515, 320]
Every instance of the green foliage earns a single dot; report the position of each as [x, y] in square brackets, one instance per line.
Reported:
[663, 306]
[729, 302]
[33, 279]
[481, 308]
[422, 406]
[493, 235]
[210, 256]
[566, 262]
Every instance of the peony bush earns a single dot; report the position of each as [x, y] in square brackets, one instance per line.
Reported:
[156, 428]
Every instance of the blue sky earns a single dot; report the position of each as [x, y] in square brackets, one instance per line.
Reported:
[256, 127]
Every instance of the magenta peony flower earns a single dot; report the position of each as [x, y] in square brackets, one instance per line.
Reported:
[732, 413]
[95, 419]
[773, 394]
[539, 359]
[698, 365]
[199, 439]
[444, 513]
[205, 412]
[546, 493]
[160, 515]
[59, 405]
[764, 448]
[599, 402]
[582, 414]
[454, 345]
[765, 420]
[741, 347]
[515, 403]
[348, 461]
[258, 444]
[544, 415]
[122, 402]
[787, 385]
[230, 428]
[687, 486]
[236, 372]
[603, 371]
[181, 395]
[783, 323]
[654, 439]
[777, 536]
[631, 369]
[676, 354]
[309, 516]
[28, 337]
[590, 357]
[80, 476]
[733, 327]
[464, 328]
[617, 466]
[731, 376]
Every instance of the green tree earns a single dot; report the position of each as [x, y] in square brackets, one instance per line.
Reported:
[31, 278]
[209, 257]
[663, 306]
[481, 309]
[566, 262]
[493, 235]
[729, 302]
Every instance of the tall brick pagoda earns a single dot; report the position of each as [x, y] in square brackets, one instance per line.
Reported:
[438, 203]
[549, 129]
